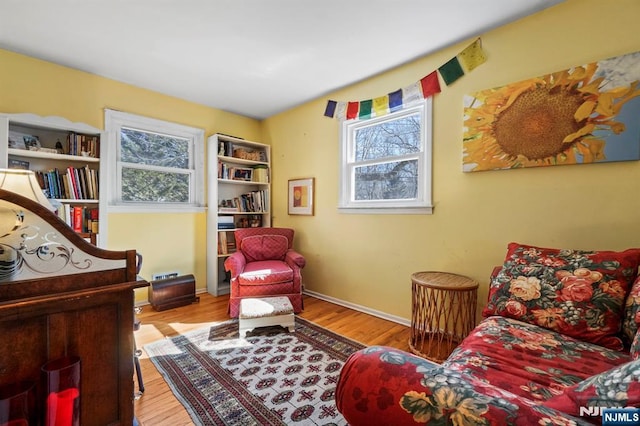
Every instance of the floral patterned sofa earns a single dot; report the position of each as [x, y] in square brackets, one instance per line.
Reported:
[559, 339]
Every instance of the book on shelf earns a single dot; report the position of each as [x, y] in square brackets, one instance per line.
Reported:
[81, 219]
[84, 145]
[222, 243]
[253, 201]
[71, 184]
[225, 222]
[77, 219]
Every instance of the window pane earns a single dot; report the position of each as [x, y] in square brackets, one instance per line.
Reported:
[153, 186]
[387, 139]
[152, 149]
[387, 181]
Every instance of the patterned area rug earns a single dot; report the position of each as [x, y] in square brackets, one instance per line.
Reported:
[271, 377]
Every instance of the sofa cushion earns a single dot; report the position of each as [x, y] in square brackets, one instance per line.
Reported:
[264, 247]
[631, 319]
[527, 360]
[385, 386]
[575, 292]
[617, 387]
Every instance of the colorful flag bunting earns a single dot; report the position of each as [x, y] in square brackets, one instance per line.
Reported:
[412, 94]
[365, 109]
[430, 85]
[381, 105]
[451, 71]
[395, 100]
[331, 109]
[472, 56]
[341, 111]
[352, 110]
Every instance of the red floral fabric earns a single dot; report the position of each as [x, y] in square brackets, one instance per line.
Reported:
[577, 293]
[632, 312]
[635, 347]
[617, 387]
[385, 386]
[528, 360]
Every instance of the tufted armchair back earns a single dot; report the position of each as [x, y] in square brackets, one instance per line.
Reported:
[264, 243]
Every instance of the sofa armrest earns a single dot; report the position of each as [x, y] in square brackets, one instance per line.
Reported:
[292, 258]
[382, 385]
[235, 264]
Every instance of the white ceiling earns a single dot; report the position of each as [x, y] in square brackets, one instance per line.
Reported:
[252, 57]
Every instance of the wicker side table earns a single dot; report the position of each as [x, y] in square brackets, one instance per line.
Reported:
[443, 312]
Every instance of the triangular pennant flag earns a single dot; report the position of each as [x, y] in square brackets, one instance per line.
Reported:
[381, 105]
[330, 110]
[365, 109]
[411, 94]
[472, 55]
[451, 71]
[352, 110]
[430, 85]
[395, 100]
[341, 110]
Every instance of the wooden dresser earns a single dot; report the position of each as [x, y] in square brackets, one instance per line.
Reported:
[59, 296]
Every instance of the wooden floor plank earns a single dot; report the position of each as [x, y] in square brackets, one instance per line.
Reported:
[159, 407]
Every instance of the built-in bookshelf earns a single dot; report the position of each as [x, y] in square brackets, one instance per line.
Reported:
[65, 157]
[239, 197]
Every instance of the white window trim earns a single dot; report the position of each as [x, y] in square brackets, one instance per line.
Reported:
[114, 121]
[423, 204]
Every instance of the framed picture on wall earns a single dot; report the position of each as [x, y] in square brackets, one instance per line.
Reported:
[301, 196]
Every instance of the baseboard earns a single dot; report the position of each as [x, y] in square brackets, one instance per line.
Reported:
[364, 309]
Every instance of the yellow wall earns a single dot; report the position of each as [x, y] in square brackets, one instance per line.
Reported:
[167, 241]
[367, 260]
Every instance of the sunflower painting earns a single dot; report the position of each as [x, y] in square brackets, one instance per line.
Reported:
[585, 114]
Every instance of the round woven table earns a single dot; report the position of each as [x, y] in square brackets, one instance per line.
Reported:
[443, 312]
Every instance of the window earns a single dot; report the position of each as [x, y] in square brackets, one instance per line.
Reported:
[155, 165]
[386, 163]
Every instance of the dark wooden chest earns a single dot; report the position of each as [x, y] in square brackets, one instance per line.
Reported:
[173, 292]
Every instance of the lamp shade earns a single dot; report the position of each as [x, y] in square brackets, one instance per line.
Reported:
[24, 182]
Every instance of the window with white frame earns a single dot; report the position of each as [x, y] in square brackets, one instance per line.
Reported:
[386, 163]
[154, 164]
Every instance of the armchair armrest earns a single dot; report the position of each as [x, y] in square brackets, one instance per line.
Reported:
[383, 385]
[235, 264]
[292, 258]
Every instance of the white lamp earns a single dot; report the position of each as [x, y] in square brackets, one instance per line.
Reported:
[24, 182]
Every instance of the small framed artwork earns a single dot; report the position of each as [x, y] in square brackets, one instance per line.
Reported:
[32, 142]
[301, 196]
[241, 173]
[18, 164]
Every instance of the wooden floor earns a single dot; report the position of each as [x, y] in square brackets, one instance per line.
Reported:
[157, 406]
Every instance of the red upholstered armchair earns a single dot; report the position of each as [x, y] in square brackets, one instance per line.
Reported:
[264, 265]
